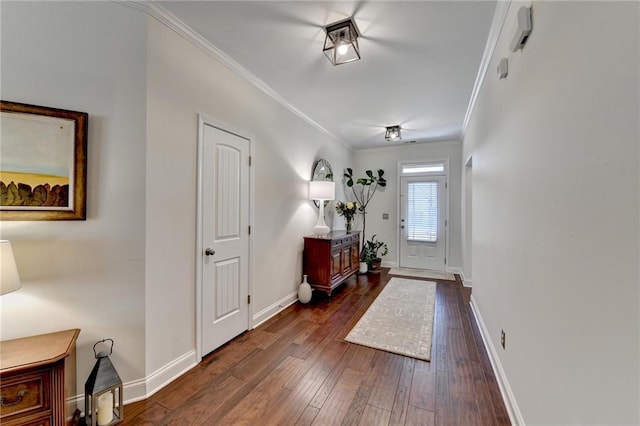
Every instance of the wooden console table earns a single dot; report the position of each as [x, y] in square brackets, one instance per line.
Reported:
[37, 375]
[329, 261]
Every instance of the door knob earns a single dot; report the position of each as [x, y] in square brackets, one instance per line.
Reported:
[209, 252]
[402, 227]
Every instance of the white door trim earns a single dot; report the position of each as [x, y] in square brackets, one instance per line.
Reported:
[203, 121]
[446, 162]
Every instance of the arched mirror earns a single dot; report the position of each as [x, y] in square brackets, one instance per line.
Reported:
[321, 171]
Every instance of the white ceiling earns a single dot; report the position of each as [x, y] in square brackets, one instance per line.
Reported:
[419, 60]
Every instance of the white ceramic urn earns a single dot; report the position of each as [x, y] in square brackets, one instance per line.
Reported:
[304, 291]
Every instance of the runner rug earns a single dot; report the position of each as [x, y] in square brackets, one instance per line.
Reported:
[422, 273]
[400, 319]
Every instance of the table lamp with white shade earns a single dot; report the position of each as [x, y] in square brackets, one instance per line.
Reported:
[9, 278]
[321, 190]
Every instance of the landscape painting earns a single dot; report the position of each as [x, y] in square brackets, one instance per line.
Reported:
[42, 163]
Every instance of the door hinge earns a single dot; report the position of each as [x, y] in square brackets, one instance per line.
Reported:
[248, 299]
[446, 223]
[249, 160]
[446, 185]
[249, 230]
[445, 260]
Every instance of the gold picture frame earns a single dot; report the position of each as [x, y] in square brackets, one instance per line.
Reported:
[43, 163]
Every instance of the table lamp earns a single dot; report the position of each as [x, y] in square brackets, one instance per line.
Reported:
[321, 190]
[9, 278]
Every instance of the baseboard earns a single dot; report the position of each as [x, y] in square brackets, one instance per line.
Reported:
[274, 309]
[507, 395]
[454, 270]
[167, 374]
[458, 270]
[465, 281]
[138, 390]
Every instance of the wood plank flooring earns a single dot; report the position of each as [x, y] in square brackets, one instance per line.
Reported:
[296, 369]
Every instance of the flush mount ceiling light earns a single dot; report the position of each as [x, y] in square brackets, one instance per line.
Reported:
[341, 43]
[392, 133]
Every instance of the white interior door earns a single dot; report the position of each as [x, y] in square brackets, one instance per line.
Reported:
[422, 222]
[225, 214]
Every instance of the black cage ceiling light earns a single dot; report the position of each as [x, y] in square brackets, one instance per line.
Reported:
[392, 133]
[341, 42]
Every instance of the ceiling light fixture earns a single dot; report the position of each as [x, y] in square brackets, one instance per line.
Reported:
[393, 133]
[341, 42]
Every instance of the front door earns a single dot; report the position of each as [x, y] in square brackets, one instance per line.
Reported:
[422, 222]
[225, 236]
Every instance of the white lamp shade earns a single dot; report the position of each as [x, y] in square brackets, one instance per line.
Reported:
[9, 278]
[322, 190]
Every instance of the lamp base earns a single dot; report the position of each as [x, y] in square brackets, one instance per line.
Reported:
[321, 230]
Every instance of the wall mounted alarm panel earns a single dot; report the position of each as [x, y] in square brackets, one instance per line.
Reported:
[523, 29]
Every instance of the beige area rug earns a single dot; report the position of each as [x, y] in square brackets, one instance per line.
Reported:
[422, 273]
[400, 319]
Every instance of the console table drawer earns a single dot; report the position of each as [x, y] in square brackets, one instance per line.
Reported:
[351, 238]
[37, 377]
[42, 421]
[25, 394]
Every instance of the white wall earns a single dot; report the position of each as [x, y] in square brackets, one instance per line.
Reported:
[182, 82]
[466, 215]
[128, 271]
[386, 200]
[89, 274]
[556, 213]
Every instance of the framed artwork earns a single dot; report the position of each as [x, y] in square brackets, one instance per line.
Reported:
[43, 163]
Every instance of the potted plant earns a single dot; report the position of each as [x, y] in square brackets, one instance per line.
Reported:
[348, 210]
[363, 190]
[373, 251]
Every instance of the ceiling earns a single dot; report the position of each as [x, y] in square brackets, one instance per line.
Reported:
[419, 60]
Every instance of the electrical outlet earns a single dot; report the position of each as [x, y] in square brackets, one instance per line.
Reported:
[503, 338]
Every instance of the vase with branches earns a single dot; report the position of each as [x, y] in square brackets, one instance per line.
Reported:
[364, 188]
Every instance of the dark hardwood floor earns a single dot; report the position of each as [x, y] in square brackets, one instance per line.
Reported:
[296, 369]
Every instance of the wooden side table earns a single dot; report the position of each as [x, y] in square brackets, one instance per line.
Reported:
[329, 261]
[37, 375]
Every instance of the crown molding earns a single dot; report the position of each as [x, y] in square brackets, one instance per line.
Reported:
[172, 22]
[499, 16]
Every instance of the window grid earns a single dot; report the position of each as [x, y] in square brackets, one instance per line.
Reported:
[422, 211]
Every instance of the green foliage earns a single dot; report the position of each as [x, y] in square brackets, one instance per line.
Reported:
[363, 191]
[367, 257]
[373, 249]
[369, 180]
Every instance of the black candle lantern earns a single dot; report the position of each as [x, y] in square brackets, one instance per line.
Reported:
[103, 391]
